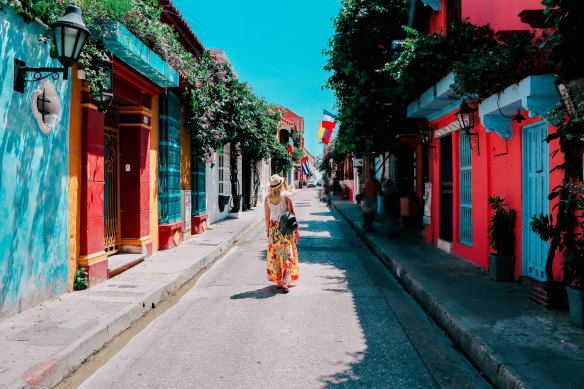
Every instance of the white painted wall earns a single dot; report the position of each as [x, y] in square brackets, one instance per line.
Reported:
[264, 168]
[212, 186]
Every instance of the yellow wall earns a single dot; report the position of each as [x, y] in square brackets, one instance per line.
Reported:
[185, 153]
[154, 174]
[74, 216]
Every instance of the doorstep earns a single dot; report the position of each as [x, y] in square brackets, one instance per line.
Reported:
[121, 262]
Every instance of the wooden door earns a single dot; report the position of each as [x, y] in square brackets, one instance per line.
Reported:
[446, 188]
[535, 197]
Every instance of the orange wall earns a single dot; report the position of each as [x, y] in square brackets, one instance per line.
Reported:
[73, 224]
[154, 174]
[185, 153]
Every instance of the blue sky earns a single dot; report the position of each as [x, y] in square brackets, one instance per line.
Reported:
[276, 46]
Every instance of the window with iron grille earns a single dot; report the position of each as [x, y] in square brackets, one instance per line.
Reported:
[221, 166]
[465, 189]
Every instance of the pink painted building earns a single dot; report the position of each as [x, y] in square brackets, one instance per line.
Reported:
[500, 157]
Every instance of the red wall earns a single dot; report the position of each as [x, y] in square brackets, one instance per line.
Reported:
[496, 171]
[500, 14]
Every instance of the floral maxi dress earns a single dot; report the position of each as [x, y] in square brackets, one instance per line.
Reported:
[282, 252]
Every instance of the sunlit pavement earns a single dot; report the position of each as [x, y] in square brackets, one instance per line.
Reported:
[347, 323]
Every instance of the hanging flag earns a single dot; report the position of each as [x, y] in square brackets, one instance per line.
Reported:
[327, 136]
[303, 160]
[321, 131]
[328, 119]
[289, 149]
[305, 167]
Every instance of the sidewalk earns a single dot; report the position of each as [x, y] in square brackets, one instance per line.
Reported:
[513, 341]
[42, 345]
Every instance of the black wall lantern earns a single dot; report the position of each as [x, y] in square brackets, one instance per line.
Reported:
[518, 117]
[104, 94]
[69, 35]
[426, 134]
[465, 117]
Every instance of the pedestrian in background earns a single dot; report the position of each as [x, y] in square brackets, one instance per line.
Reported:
[282, 252]
[370, 192]
[327, 190]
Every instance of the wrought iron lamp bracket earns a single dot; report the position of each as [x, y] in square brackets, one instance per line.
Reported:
[20, 73]
[433, 153]
[473, 139]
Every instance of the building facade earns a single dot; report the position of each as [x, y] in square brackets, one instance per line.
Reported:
[501, 156]
[34, 163]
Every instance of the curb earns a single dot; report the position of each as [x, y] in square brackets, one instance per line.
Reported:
[69, 359]
[480, 353]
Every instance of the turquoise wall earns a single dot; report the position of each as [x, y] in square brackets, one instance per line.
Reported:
[33, 178]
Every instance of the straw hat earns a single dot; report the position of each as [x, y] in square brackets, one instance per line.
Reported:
[276, 181]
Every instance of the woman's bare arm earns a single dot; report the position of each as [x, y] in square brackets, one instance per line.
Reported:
[290, 205]
[267, 211]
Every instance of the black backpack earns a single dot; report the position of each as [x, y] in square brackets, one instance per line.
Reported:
[288, 223]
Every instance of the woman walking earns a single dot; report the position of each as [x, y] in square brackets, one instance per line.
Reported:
[282, 252]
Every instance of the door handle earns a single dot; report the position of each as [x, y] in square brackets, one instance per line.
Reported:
[539, 171]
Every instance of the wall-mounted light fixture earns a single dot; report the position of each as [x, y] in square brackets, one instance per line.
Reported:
[69, 36]
[426, 134]
[104, 94]
[465, 117]
[426, 137]
[518, 117]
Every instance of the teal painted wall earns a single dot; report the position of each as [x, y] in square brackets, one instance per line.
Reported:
[33, 178]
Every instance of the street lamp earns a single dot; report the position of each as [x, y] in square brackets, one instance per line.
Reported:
[69, 36]
[465, 117]
[518, 117]
[426, 134]
[104, 94]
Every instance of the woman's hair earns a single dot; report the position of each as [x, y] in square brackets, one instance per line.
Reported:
[275, 195]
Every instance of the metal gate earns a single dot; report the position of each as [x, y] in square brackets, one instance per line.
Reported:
[446, 188]
[535, 197]
[112, 231]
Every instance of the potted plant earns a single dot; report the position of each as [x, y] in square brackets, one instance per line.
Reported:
[567, 237]
[501, 240]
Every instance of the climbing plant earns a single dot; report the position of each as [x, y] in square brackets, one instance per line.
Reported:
[360, 46]
[220, 108]
[565, 232]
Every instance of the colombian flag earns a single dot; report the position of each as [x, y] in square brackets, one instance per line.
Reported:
[321, 131]
[327, 136]
[328, 122]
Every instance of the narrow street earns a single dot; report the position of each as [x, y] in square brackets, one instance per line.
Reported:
[347, 323]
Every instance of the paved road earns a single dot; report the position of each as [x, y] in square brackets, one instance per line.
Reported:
[346, 324]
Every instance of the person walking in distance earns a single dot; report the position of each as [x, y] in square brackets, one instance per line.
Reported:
[282, 252]
[371, 190]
